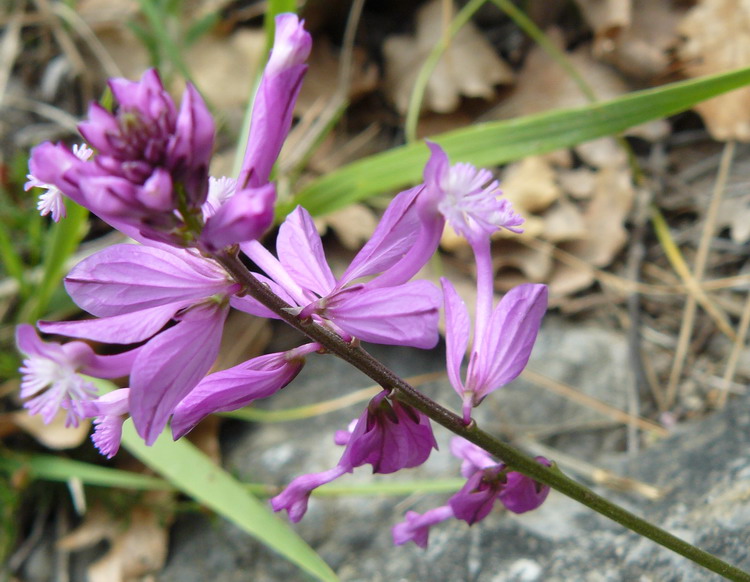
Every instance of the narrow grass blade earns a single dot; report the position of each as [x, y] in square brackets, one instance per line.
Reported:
[61, 242]
[492, 143]
[51, 468]
[183, 465]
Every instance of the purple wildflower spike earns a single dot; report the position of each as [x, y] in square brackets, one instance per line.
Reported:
[51, 374]
[416, 526]
[52, 201]
[295, 496]
[468, 197]
[390, 436]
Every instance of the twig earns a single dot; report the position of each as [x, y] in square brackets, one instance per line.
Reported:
[593, 403]
[701, 258]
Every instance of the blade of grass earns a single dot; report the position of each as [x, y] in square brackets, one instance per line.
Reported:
[51, 468]
[432, 60]
[503, 141]
[183, 465]
[62, 242]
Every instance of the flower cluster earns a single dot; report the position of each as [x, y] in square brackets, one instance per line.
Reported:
[162, 302]
[487, 482]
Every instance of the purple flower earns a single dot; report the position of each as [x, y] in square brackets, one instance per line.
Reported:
[416, 526]
[274, 101]
[236, 217]
[389, 435]
[404, 314]
[149, 177]
[467, 197]
[135, 291]
[295, 496]
[238, 386]
[487, 482]
[502, 341]
[51, 374]
[109, 412]
[52, 201]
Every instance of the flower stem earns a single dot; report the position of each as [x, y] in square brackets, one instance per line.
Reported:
[510, 456]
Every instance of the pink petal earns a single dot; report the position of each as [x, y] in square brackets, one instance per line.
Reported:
[171, 365]
[456, 334]
[234, 388]
[394, 235]
[300, 252]
[245, 216]
[125, 278]
[510, 337]
[127, 328]
[406, 315]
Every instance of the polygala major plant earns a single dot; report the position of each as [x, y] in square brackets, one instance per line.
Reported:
[143, 169]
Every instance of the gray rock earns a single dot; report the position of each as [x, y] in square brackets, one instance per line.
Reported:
[705, 466]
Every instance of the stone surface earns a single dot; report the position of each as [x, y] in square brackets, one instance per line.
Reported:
[704, 466]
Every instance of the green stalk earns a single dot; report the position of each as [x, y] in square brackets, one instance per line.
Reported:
[509, 455]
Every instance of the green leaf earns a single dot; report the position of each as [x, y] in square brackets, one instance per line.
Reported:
[492, 143]
[61, 242]
[51, 468]
[195, 474]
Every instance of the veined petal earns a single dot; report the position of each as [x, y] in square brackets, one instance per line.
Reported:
[125, 278]
[406, 315]
[127, 328]
[393, 237]
[456, 334]
[300, 252]
[234, 388]
[171, 365]
[510, 337]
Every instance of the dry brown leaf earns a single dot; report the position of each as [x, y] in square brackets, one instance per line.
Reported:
[579, 183]
[354, 225]
[717, 39]
[54, 435]
[564, 222]
[224, 68]
[469, 67]
[535, 264]
[605, 218]
[604, 152]
[323, 75]
[566, 279]
[138, 542]
[643, 48]
[606, 17]
[530, 185]
[543, 85]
